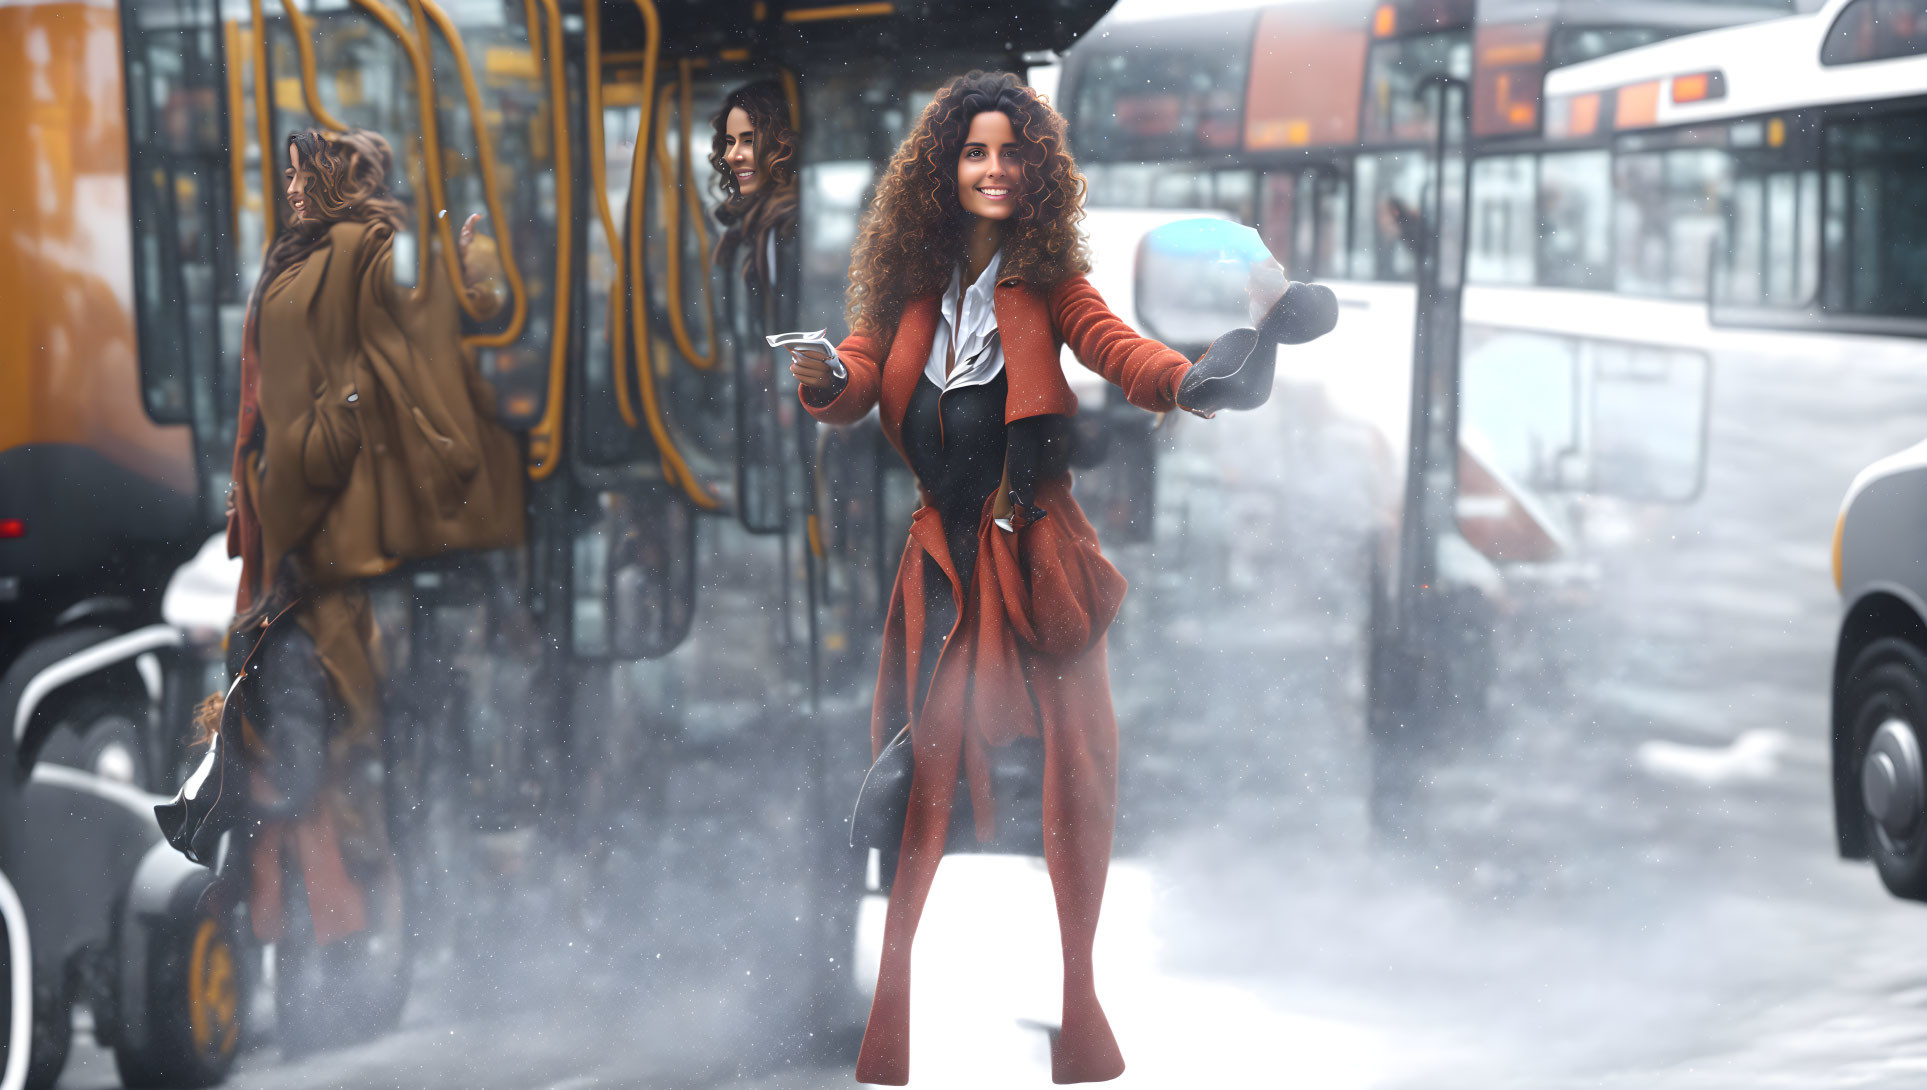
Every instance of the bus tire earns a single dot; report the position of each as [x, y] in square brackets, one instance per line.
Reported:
[52, 1034]
[1885, 696]
[196, 998]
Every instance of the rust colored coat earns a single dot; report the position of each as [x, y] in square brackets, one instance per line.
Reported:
[366, 438]
[1026, 656]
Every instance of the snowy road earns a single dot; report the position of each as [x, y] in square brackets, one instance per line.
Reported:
[1627, 881]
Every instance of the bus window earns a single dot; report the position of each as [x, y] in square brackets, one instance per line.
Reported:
[1396, 109]
[1163, 185]
[1386, 229]
[179, 181]
[1575, 220]
[1877, 225]
[1181, 101]
[1872, 30]
[1667, 214]
[1520, 404]
[1331, 197]
[1571, 45]
[1560, 414]
[1505, 225]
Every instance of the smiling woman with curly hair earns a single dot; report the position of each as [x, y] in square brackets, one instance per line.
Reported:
[917, 226]
[967, 280]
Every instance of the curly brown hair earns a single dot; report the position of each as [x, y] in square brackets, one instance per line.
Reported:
[913, 233]
[750, 219]
[344, 177]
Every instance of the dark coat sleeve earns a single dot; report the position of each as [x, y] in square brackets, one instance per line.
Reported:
[1144, 369]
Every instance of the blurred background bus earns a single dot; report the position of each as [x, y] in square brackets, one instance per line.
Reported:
[1524, 369]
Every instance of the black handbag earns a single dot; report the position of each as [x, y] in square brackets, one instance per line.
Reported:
[214, 800]
[883, 801]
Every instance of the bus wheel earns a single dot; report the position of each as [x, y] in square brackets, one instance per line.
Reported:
[1886, 701]
[52, 1034]
[110, 747]
[194, 999]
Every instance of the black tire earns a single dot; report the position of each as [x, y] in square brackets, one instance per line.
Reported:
[53, 1034]
[105, 736]
[110, 747]
[1888, 680]
[349, 991]
[196, 998]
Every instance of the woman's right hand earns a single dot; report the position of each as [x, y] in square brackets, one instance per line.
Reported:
[811, 366]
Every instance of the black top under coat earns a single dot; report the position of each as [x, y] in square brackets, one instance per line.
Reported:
[956, 442]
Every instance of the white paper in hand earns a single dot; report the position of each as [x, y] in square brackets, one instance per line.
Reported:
[810, 339]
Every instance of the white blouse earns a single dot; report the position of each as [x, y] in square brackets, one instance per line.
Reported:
[971, 322]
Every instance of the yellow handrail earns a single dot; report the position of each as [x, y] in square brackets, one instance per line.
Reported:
[262, 125]
[672, 228]
[303, 40]
[518, 295]
[429, 197]
[545, 439]
[598, 159]
[237, 128]
[421, 58]
[674, 466]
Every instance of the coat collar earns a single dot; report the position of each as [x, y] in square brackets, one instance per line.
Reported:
[1037, 384]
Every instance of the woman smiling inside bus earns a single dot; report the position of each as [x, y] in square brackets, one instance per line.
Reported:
[753, 151]
[967, 277]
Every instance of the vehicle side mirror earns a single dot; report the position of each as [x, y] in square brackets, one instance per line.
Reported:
[1198, 278]
[634, 576]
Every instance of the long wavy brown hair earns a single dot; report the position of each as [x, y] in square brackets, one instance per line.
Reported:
[345, 178]
[748, 220]
[913, 233]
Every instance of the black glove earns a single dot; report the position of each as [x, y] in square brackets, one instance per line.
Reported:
[1305, 312]
[1230, 375]
[1235, 372]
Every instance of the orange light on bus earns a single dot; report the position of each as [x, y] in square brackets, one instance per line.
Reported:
[1384, 21]
[1839, 532]
[1698, 87]
[1575, 116]
[12, 528]
[1636, 106]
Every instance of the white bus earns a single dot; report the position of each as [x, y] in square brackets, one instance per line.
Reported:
[1819, 122]
[1518, 368]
